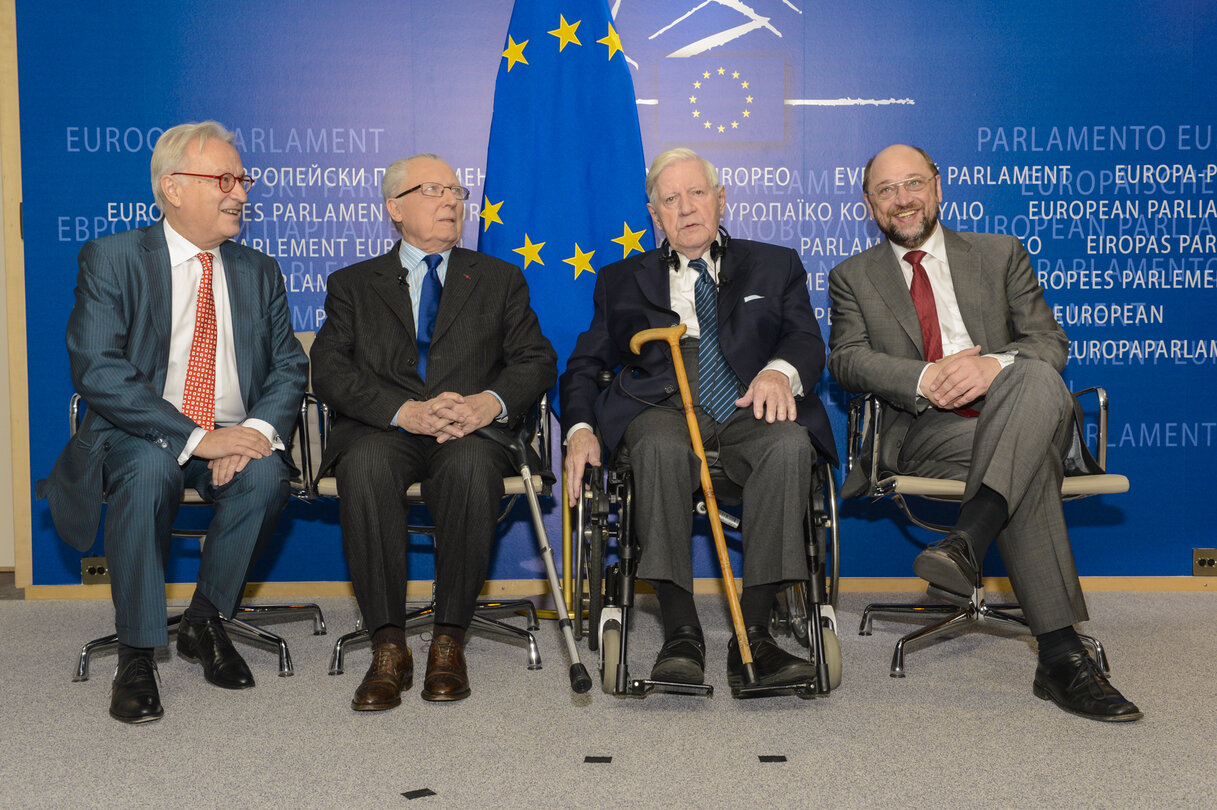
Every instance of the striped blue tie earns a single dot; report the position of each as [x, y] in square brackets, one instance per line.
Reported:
[428, 305]
[717, 385]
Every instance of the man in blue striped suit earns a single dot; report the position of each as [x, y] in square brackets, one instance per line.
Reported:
[170, 320]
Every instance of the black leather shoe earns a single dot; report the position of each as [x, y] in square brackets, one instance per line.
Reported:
[682, 658]
[1077, 686]
[774, 666]
[949, 565]
[208, 642]
[133, 697]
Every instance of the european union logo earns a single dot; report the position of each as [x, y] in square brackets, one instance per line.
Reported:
[722, 99]
[565, 174]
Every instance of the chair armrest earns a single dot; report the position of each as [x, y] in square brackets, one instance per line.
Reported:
[1100, 450]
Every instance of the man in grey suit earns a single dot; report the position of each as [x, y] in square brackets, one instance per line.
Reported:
[951, 330]
[170, 320]
[420, 348]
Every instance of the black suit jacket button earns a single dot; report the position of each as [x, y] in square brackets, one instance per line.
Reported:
[411, 362]
[669, 389]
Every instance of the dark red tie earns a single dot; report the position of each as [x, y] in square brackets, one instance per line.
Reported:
[927, 311]
[927, 314]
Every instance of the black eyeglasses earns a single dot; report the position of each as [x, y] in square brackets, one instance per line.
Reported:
[435, 190]
[226, 180]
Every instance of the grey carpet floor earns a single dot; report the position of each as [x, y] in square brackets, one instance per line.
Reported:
[961, 730]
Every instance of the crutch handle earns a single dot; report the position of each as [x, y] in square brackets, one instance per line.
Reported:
[671, 334]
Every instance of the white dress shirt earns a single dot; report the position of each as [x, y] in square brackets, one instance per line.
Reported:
[186, 274]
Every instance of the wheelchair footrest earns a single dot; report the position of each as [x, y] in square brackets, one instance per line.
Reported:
[804, 689]
[641, 688]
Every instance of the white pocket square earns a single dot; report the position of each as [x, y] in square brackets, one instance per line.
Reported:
[748, 298]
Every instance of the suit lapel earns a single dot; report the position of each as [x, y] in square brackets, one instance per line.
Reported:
[965, 278]
[459, 283]
[386, 281]
[158, 281]
[241, 298]
[652, 280]
[888, 280]
[729, 295]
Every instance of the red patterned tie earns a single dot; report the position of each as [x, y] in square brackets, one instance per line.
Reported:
[199, 397]
[927, 314]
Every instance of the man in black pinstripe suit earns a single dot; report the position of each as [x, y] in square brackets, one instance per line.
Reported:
[132, 343]
[411, 379]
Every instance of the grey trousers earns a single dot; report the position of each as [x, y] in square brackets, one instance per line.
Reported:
[770, 463]
[1015, 448]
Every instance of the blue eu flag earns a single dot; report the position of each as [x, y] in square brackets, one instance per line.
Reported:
[565, 175]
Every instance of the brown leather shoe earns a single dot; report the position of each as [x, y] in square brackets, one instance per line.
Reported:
[447, 678]
[391, 673]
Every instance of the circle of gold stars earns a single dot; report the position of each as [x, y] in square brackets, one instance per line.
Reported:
[703, 85]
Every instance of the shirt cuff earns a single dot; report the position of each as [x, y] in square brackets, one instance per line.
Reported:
[917, 390]
[196, 436]
[1005, 358]
[574, 427]
[502, 417]
[792, 373]
[267, 430]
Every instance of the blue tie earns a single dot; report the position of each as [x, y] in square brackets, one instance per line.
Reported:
[717, 386]
[428, 305]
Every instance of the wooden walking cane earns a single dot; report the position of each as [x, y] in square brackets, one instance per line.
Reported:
[672, 335]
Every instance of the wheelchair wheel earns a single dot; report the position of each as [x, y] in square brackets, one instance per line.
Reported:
[789, 614]
[610, 654]
[832, 656]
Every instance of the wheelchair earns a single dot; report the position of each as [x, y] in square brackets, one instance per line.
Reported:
[607, 551]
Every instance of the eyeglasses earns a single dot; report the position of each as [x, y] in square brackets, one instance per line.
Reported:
[673, 200]
[914, 185]
[226, 180]
[435, 190]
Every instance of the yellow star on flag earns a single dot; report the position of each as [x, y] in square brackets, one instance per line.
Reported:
[490, 213]
[630, 240]
[514, 52]
[531, 252]
[722, 71]
[744, 85]
[581, 261]
[614, 44]
[566, 33]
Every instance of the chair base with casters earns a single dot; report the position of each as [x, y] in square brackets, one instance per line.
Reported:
[236, 624]
[956, 619]
[865, 429]
[603, 518]
[424, 616]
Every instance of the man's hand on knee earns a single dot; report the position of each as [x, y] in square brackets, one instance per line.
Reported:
[770, 397]
[233, 441]
[224, 469]
[582, 449]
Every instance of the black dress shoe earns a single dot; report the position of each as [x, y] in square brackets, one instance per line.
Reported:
[1077, 686]
[682, 658]
[133, 697]
[208, 642]
[949, 565]
[774, 666]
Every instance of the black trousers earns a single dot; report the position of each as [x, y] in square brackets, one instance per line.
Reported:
[462, 484]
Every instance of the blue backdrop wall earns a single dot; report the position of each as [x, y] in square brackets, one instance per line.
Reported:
[1084, 128]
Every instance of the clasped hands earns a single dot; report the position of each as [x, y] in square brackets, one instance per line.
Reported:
[229, 449]
[448, 416]
[769, 396]
[959, 379]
